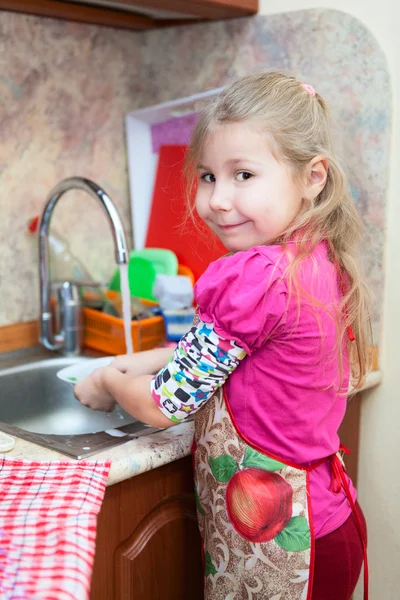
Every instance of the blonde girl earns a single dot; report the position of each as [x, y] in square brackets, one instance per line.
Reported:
[266, 366]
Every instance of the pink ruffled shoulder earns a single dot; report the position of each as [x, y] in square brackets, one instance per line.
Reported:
[244, 295]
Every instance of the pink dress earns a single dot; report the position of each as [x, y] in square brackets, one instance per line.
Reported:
[287, 396]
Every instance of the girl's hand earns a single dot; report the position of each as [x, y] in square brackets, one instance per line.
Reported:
[92, 393]
[105, 387]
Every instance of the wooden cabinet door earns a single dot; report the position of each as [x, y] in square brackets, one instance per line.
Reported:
[160, 560]
[148, 544]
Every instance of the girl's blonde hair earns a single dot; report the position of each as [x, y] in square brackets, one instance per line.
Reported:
[296, 122]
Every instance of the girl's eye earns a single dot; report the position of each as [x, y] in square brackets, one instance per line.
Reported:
[208, 178]
[243, 175]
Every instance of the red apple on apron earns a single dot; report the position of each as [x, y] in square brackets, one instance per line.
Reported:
[259, 504]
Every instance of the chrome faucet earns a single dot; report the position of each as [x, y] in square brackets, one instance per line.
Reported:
[68, 340]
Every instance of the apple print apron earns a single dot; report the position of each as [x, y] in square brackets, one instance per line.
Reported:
[254, 513]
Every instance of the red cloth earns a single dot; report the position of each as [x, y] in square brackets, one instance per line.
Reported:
[48, 514]
[338, 560]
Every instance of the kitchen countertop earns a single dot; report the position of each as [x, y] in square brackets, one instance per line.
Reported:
[142, 454]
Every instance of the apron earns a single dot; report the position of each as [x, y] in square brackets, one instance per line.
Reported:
[254, 513]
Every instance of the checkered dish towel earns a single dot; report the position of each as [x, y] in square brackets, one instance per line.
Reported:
[48, 513]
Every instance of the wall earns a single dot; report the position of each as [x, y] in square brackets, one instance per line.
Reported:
[64, 90]
[379, 485]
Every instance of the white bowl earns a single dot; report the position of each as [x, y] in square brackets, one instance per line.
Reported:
[75, 373]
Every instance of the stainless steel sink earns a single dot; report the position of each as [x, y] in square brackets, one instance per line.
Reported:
[34, 399]
[37, 406]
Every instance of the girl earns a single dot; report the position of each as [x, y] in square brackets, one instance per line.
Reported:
[266, 366]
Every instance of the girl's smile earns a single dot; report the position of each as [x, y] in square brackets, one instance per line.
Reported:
[233, 226]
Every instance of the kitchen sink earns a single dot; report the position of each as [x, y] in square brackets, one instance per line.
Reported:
[37, 406]
[34, 399]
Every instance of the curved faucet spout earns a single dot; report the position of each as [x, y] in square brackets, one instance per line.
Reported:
[47, 337]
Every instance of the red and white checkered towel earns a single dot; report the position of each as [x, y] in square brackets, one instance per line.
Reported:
[48, 514]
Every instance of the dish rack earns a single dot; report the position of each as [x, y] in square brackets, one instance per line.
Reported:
[106, 333]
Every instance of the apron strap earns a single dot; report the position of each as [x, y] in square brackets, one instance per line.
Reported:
[338, 481]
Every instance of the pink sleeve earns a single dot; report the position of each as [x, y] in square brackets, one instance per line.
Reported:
[244, 296]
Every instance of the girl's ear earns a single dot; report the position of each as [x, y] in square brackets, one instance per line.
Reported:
[315, 176]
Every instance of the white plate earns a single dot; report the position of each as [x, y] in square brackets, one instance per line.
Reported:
[75, 373]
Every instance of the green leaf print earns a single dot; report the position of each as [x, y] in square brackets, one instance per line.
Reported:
[198, 503]
[252, 458]
[296, 535]
[223, 467]
[210, 569]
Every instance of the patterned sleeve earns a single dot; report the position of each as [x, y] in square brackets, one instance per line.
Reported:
[202, 362]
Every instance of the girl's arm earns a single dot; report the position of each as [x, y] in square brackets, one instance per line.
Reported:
[105, 386]
[201, 363]
[142, 363]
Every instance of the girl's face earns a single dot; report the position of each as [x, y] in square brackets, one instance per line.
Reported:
[244, 194]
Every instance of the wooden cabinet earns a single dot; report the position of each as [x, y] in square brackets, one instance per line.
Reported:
[135, 14]
[148, 543]
[349, 434]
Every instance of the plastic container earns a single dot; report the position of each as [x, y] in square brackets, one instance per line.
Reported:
[143, 267]
[106, 333]
[141, 275]
[186, 272]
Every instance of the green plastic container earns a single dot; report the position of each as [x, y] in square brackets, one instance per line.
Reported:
[143, 267]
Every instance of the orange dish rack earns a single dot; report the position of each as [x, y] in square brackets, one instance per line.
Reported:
[106, 333]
